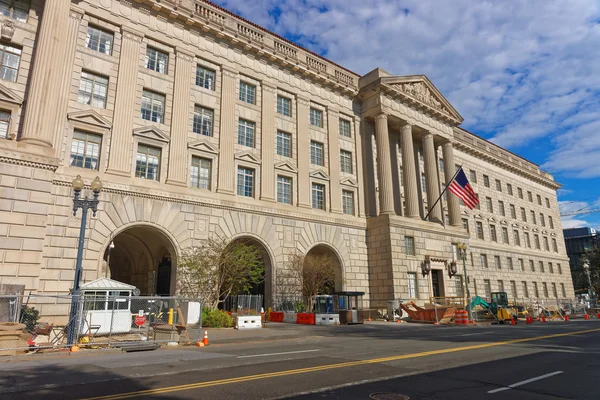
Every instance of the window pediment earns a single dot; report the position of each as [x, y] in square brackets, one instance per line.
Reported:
[319, 174]
[89, 117]
[286, 166]
[9, 96]
[152, 132]
[349, 182]
[203, 145]
[247, 156]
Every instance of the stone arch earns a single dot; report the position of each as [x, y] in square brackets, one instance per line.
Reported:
[328, 249]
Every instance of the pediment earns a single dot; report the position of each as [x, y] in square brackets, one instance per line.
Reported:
[535, 230]
[349, 182]
[247, 156]
[419, 89]
[203, 145]
[90, 117]
[515, 224]
[525, 227]
[544, 232]
[465, 212]
[478, 216]
[319, 174]
[503, 222]
[492, 219]
[286, 166]
[9, 96]
[553, 234]
[152, 132]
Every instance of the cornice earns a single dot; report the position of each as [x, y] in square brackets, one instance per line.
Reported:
[28, 160]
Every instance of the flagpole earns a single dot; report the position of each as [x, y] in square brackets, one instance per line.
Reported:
[443, 191]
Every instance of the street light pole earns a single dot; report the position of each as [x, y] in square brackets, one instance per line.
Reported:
[462, 253]
[586, 267]
[85, 204]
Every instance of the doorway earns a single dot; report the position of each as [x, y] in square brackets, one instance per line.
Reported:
[437, 282]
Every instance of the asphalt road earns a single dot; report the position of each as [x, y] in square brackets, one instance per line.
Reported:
[558, 360]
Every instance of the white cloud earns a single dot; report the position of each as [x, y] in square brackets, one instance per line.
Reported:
[517, 71]
[573, 223]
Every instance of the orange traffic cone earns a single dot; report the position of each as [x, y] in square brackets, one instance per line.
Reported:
[512, 321]
[566, 317]
[598, 316]
[543, 318]
[205, 341]
[587, 317]
[74, 348]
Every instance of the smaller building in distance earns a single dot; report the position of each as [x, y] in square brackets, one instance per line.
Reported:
[577, 242]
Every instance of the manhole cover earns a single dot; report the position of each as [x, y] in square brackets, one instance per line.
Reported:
[388, 396]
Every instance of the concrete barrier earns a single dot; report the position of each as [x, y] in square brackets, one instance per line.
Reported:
[248, 322]
[289, 317]
[327, 319]
[305, 318]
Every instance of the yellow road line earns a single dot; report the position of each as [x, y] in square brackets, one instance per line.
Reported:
[248, 378]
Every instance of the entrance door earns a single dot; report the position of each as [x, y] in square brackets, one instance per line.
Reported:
[163, 277]
[436, 282]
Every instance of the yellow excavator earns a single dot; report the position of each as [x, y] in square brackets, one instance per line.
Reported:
[498, 307]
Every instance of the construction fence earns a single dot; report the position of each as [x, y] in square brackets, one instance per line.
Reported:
[45, 322]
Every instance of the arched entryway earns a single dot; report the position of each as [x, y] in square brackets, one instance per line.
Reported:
[327, 254]
[145, 257]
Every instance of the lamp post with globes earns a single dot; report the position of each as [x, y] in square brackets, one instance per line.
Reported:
[591, 294]
[462, 254]
[85, 204]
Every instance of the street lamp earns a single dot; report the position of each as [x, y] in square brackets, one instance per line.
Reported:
[111, 246]
[85, 204]
[462, 254]
[586, 268]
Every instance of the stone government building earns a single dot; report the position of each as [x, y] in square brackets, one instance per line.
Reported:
[200, 123]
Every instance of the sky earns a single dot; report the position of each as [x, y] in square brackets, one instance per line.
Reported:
[523, 74]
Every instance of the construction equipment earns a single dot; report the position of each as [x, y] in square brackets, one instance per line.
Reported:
[498, 307]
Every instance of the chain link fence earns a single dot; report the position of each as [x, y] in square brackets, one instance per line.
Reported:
[45, 322]
[246, 304]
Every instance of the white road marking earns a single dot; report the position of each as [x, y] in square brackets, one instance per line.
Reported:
[514, 385]
[478, 333]
[278, 354]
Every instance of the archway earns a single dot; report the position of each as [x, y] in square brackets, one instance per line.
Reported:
[145, 257]
[325, 251]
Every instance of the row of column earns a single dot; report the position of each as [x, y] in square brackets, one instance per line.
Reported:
[411, 193]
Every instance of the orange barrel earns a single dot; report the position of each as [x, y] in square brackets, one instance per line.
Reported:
[460, 317]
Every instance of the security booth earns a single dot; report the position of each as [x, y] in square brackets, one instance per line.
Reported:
[350, 307]
[106, 305]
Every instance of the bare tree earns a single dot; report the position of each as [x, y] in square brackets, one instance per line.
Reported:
[309, 275]
[218, 269]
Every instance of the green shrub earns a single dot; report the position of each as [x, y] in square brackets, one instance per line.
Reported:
[29, 316]
[215, 318]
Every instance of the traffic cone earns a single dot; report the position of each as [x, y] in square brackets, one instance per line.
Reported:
[512, 321]
[205, 341]
[199, 344]
[598, 316]
[587, 317]
[566, 317]
[543, 318]
[528, 320]
[74, 348]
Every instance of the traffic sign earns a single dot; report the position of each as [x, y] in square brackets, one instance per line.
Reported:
[140, 320]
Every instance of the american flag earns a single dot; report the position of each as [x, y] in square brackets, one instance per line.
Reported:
[460, 187]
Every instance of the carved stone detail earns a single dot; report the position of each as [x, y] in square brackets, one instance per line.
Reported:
[8, 29]
[420, 92]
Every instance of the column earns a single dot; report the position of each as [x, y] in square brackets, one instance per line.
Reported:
[333, 144]
[62, 101]
[303, 149]
[122, 132]
[41, 113]
[431, 178]
[360, 204]
[267, 180]
[226, 180]
[178, 159]
[411, 197]
[384, 165]
[449, 171]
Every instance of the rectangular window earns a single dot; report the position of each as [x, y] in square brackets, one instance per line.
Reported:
[521, 265]
[509, 260]
[529, 196]
[284, 144]
[284, 106]
[546, 246]
[85, 150]
[533, 218]
[531, 265]
[498, 185]
[501, 285]
[554, 246]
[547, 202]
[513, 289]
[479, 227]
[527, 241]
[99, 40]
[517, 238]
[493, 233]
[539, 200]
[550, 268]
[247, 93]
[559, 269]
[509, 189]
[525, 290]
[153, 106]
[10, 58]
[490, 206]
[520, 192]
[316, 153]
[284, 189]
[345, 128]
[4, 123]
[486, 181]
[536, 239]
[505, 236]
[201, 173]
[92, 90]
[409, 245]
[246, 133]
[345, 161]
[536, 291]
[562, 290]
[550, 222]
[542, 268]
[478, 205]
[348, 202]
[318, 196]
[554, 291]
[542, 220]
[245, 182]
[501, 208]
[205, 77]
[423, 184]
[545, 288]
[523, 214]
[15, 9]
[513, 211]
[156, 60]
[147, 162]
[465, 224]
[497, 262]
[412, 285]
[483, 260]
[316, 117]
[458, 285]
[203, 121]
[473, 175]
[487, 288]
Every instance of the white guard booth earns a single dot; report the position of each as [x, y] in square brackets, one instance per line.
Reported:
[106, 307]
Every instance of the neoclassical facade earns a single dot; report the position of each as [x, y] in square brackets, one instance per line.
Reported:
[201, 124]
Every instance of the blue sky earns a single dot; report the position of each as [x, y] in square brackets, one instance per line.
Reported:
[524, 74]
